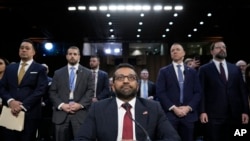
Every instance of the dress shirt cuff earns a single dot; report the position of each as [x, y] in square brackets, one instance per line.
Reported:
[60, 106]
[10, 100]
[23, 108]
[190, 108]
[82, 106]
[171, 108]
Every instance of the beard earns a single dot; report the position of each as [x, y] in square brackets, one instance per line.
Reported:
[124, 94]
[221, 55]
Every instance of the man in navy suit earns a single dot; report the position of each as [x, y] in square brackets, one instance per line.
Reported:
[181, 108]
[70, 96]
[101, 80]
[147, 88]
[224, 104]
[105, 119]
[25, 95]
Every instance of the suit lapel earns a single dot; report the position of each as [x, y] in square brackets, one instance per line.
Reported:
[25, 77]
[112, 119]
[173, 74]
[141, 116]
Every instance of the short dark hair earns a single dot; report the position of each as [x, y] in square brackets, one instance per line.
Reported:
[213, 44]
[124, 65]
[31, 42]
[95, 56]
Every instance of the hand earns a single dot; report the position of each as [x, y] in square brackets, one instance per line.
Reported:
[15, 107]
[94, 99]
[74, 107]
[203, 118]
[245, 119]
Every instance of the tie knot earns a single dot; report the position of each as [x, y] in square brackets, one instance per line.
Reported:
[24, 64]
[126, 106]
[178, 66]
[72, 68]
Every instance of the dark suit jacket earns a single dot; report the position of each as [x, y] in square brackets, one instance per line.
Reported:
[102, 122]
[30, 90]
[151, 88]
[217, 96]
[59, 92]
[168, 91]
[102, 88]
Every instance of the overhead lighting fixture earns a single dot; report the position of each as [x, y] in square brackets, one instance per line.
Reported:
[81, 7]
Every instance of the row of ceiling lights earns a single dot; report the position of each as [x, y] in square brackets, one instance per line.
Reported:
[135, 8]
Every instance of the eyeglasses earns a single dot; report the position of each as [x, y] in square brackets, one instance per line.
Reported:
[122, 77]
[220, 47]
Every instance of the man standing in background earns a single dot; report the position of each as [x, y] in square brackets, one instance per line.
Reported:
[71, 92]
[224, 104]
[101, 79]
[22, 88]
[178, 90]
[147, 87]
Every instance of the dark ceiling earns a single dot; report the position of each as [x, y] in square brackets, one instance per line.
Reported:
[50, 19]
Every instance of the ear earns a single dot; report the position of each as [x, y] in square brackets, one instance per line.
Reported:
[113, 88]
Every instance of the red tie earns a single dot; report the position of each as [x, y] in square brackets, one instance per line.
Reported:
[127, 132]
[222, 73]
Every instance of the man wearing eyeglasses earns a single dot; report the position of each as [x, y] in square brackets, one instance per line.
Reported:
[105, 121]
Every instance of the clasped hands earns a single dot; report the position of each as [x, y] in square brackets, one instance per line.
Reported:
[181, 111]
[71, 107]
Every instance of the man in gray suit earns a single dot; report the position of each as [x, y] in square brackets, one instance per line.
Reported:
[71, 93]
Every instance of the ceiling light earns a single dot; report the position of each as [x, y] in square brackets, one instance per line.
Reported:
[157, 7]
[92, 8]
[81, 7]
[168, 8]
[72, 8]
[178, 7]
[103, 8]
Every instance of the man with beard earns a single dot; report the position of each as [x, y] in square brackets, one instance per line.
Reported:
[105, 121]
[224, 105]
[71, 94]
[101, 80]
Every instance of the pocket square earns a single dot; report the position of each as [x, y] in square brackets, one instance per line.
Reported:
[33, 72]
[145, 113]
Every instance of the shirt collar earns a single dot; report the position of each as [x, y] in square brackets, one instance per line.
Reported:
[28, 62]
[76, 66]
[120, 102]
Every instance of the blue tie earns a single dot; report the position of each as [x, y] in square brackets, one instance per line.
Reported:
[72, 79]
[181, 82]
[145, 94]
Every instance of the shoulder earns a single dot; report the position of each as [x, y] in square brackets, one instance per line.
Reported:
[148, 103]
[103, 103]
[103, 72]
[82, 68]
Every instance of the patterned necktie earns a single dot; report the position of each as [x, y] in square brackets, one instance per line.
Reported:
[72, 79]
[222, 73]
[21, 72]
[181, 82]
[127, 132]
